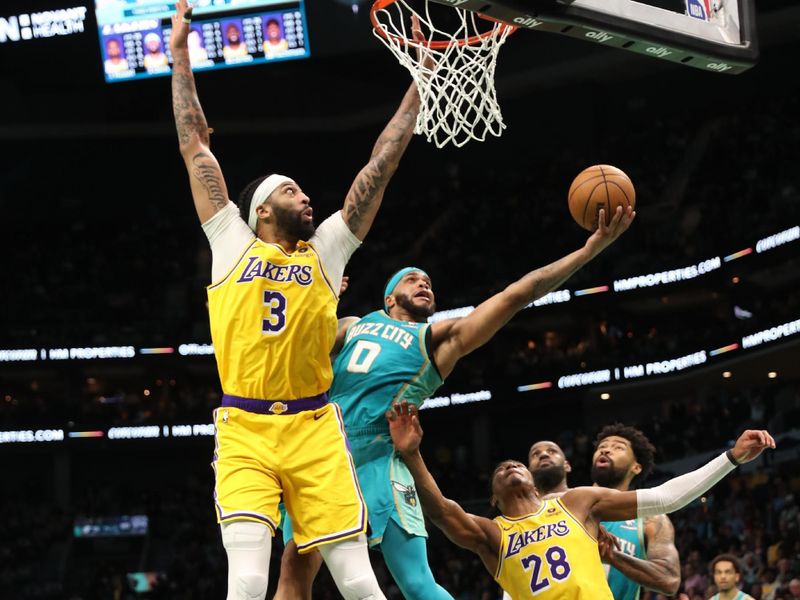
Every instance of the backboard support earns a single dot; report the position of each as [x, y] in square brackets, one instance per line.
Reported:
[718, 35]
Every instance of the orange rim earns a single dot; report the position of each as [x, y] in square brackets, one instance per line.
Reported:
[436, 45]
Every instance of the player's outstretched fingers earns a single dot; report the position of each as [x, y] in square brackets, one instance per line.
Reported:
[601, 221]
[404, 408]
[616, 219]
[771, 440]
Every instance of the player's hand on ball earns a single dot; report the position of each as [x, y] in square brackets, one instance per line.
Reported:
[180, 25]
[750, 444]
[604, 235]
[404, 427]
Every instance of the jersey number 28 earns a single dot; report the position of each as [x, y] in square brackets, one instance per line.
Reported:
[559, 568]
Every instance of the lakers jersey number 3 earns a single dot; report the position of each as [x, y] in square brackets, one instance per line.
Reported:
[549, 556]
[273, 324]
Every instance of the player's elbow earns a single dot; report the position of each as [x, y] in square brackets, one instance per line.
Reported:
[667, 584]
[672, 583]
[191, 146]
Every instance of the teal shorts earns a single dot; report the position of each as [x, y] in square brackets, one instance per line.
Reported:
[387, 486]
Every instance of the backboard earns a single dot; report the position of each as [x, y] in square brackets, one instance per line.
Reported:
[714, 35]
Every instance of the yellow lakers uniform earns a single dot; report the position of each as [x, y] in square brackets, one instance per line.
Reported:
[550, 556]
[273, 324]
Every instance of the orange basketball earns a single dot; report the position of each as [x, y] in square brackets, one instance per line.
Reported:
[600, 186]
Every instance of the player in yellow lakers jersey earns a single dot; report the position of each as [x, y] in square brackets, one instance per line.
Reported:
[272, 308]
[548, 549]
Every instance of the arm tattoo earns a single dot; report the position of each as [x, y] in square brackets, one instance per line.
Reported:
[368, 187]
[661, 570]
[189, 118]
[365, 189]
[206, 171]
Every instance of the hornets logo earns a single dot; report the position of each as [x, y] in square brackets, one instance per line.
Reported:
[408, 491]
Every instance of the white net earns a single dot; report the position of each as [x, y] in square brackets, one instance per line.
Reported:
[454, 71]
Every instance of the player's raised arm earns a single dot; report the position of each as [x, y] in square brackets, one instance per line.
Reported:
[366, 193]
[466, 530]
[205, 176]
[457, 338]
[605, 504]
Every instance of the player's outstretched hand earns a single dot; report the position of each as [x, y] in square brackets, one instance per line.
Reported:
[405, 428]
[180, 25]
[424, 55]
[750, 444]
[604, 235]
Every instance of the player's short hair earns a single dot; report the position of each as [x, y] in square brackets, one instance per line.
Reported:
[271, 21]
[643, 450]
[726, 558]
[246, 197]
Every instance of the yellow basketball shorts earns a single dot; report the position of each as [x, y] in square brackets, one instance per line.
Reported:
[302, 458]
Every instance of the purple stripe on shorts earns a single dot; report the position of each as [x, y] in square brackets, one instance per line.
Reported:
[338, 536]
[275, 407]
[239, 515]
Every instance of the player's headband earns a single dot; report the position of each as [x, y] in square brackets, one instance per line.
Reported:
[263, 191]
[395, 280]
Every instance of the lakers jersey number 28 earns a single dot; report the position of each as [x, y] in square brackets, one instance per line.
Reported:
[549, 556]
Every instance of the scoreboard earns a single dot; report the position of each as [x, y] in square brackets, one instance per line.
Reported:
[134, 35]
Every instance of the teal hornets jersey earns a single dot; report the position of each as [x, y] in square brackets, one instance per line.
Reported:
[631, 542]
[382, 361]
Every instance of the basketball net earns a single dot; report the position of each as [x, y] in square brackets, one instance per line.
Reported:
[454, 72]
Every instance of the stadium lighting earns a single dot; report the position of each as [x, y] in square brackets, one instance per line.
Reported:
[726, 374]
[772, 374]
[605, 396]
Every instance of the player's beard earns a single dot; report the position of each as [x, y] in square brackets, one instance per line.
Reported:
[420, 313]
[293, 224]
[549, 478]
[608, 477]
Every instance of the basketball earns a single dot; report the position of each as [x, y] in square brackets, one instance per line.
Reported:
[596, 187]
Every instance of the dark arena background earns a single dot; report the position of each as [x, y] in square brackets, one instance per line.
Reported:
[687, 327]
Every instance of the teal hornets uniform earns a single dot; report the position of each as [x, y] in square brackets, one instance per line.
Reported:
[740, 596]
[631, 541]
[383, 361]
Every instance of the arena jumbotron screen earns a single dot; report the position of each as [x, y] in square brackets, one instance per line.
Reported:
[134, 35]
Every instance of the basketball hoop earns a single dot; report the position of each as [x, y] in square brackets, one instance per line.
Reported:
[453, 72]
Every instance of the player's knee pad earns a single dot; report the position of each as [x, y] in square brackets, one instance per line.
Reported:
[361, 587]
[251, 586]
[248, 546]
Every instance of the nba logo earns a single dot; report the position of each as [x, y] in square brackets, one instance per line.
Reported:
[699, 9]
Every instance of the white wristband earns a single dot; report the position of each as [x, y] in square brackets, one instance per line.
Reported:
[680, 491]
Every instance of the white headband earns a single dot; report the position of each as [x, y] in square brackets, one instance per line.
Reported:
[263, 191]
